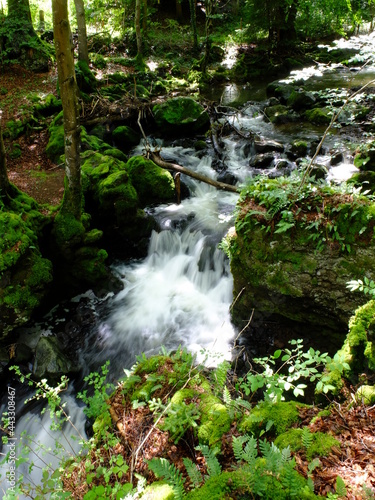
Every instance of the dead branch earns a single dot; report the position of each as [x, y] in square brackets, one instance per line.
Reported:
[156, 158]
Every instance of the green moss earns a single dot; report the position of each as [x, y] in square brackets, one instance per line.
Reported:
[85, 78]
[320, 116]
[125, 137]
[91, 142]
[89, 264]
[215, 420]
[117, 194]
[283, 415]
[56, 144]
[278, 113]
[360, 339]
[14, 128]
[116, 153]
[92, 236]
[16, 239]
[321, 445]
[365, 394]
[153, 184]
[158, 491]
[67, 230]
[181, 115]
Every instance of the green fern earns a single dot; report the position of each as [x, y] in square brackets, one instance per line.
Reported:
[194, 474]
[249, 453]
[340, 487]
[162, 468]
[213, 465]
[219, 375]
[307, 438]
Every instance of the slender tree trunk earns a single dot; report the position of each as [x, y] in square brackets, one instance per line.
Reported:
[83, 53]
[68, 89]
[193, 22]
[4, 181]
[144, 20]
[178, 10]
[209, 5]
[138, 27]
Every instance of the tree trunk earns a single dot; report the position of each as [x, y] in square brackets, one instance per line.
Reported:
[209, 5]
[138, 27]
[144, 19]
[4, 181]
[193, 22]
[178, 11]
[21, 41]
[83, 53]
[68, 89]
[156, 158]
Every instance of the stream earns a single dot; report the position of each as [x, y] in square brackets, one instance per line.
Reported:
[181, 293]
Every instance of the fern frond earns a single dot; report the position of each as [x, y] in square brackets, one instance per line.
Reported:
[285, 454]
[162, 468]
[227, 398]
[237, 445]
[194, 474]
[307, 438]
[219, 375]
[213, 465]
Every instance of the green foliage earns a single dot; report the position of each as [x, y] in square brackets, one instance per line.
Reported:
[162, 468]
[366, 286]
[286, 204]
[179, 417]
[97, 403]
[279, 377]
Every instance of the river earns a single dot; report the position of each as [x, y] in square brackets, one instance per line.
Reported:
[180, 294]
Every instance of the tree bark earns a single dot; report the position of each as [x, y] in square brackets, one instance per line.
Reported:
[83, 53]
[144, 19]
[68, 89]
[21, 41]
[193, 22]
[4, 181]
[138, 27]
[156, 158]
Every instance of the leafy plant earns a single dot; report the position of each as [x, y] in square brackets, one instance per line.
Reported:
[178, 417]
[278, 377]
[366, 286]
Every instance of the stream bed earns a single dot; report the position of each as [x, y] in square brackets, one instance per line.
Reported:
[181, 293]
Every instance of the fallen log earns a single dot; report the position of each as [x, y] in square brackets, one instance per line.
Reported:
[156, 158]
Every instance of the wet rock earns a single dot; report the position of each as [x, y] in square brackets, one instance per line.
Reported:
[125, 137]
[301, 100]
[336, 158]
[280, 114]
[280, 90]
[228, 178]
[265, 146]
[262, 161]
[50, 361]
[318, 172]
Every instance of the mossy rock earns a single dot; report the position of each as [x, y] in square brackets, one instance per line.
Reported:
[282, 415]
[125, 137]
[279, 114]
[116, 153]
[89, 265]
[214, 422]
[24, 274]
[56, 144]
[117, 195]
[358, 349]
[366, 395]
[282, 91]
[321, 443]
[365, 180]
[86, 80]
[320, 116]
[181, 115]
[301, 100]
[153, 184]
[14, 128]
[158, 491]
[67, 231]
[91, 142]
[299, 148]
[48, 106]
[364, 160]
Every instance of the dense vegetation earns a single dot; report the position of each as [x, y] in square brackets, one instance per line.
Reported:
[206, 433]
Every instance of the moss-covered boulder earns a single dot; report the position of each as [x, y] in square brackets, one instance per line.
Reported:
[181, 116]
[364, 159]
[320, 116]
[56, 145]
[25, 275]
[365, 395]
[294, 266]
[86, 80]
[279, 114]
[153, 183]
[125, 137]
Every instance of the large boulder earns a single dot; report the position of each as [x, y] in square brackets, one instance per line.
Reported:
[25, 275]
[181, 116]
[295, 265]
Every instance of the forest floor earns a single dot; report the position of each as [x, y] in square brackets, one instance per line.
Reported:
[35, 174]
